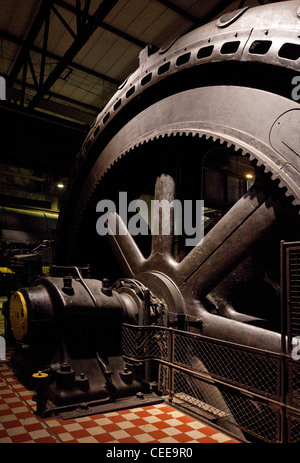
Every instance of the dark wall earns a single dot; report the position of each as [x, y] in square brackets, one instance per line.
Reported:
[39, 141]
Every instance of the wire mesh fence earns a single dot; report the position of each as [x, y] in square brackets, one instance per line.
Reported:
[293, 428]
[293, 288]
[255, 391]
[226, 382]
[255, 371]
[293, 383]
[229, 405]
[145, 342]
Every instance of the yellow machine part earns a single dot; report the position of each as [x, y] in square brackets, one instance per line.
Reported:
[18, 316]
[5, 270]
[40, 375]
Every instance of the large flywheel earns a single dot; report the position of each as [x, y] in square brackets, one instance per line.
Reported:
[178, 204]
[210, 118]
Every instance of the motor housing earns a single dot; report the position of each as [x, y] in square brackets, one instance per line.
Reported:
[68, 331]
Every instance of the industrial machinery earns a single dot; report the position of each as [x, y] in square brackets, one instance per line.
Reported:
[213, 117]
[26, 251]
[26, 246]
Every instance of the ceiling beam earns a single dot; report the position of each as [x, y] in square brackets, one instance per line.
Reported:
[104, 25]
[12, 38]
[183, 13]
[31, 36]
[67, 99]
[64, 111]
[86, 32]
[39, 116]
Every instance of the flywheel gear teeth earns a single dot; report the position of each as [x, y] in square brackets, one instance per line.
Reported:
[284, 33]
[274, 176]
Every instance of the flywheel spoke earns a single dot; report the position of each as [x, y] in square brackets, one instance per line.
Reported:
[163, 216]
[125, 249]
[228, 243]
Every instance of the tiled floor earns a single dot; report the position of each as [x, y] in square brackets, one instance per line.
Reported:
[151, 424]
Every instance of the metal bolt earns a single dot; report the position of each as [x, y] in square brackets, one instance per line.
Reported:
[84, 406]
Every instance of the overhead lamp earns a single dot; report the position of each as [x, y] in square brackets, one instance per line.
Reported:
[249, 176]
[60, 185]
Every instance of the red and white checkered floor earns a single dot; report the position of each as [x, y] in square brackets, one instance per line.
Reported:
[151, 424]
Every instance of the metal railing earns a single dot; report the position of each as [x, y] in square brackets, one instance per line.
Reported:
[252, 390]
[227, 382]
